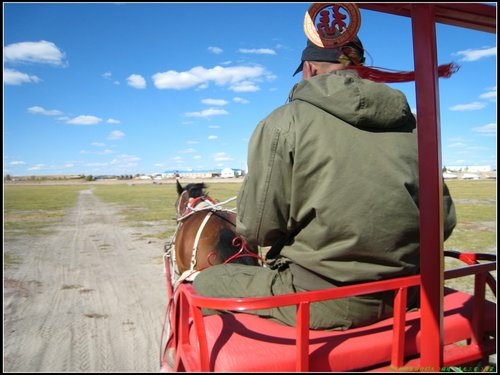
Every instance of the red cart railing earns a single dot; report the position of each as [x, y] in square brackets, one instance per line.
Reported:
[242, 342]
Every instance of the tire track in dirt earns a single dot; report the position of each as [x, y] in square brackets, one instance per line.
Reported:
[88, 298]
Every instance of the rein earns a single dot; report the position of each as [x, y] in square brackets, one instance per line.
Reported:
[200, 204]
[243, 252]
[197, 239]
[206, 203]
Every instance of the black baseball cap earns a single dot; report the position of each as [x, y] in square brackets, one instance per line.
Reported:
[353, 51]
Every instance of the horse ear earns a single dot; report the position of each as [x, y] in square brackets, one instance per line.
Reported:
[180, 189]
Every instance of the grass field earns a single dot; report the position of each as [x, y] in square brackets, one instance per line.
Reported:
[30, 209]
[475, 202]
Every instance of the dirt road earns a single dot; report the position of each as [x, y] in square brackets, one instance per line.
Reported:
[89, 297]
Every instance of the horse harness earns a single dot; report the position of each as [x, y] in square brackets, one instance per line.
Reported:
[203, 203]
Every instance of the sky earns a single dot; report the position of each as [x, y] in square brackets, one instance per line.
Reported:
[141, 88]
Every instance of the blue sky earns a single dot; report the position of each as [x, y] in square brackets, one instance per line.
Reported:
[126, 88]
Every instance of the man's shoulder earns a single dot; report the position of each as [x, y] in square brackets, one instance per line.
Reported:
[290, 109]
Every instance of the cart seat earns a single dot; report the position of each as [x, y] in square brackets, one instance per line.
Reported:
[242, 342]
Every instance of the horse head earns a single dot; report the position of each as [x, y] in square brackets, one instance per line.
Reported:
[186, 193]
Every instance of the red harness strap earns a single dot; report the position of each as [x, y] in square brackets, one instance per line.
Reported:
[195, 201]
[243, 252]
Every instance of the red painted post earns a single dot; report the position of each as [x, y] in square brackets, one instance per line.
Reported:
[430, 177]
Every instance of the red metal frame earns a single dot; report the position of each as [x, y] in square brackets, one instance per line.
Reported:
[433, 350]
[470, 319]
[475, 16]
[424, 17]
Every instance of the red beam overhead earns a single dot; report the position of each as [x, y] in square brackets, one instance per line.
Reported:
[474, 16]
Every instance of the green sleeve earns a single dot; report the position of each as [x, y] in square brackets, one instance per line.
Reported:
[263, 203]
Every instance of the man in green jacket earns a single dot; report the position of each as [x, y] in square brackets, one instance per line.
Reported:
[332, 188]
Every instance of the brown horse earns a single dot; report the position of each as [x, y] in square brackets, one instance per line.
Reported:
[205, 233]
[205, 236]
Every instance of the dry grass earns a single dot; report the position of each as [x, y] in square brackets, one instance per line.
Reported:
[30, 209]
[475, 202]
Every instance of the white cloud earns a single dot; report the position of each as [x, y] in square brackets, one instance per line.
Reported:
[457, 144]
[176, 80]
[84, 120]
[112, 121]
[491, 94]
[116, 135]
[14, 77]
[468, 107]
[488, 129]
[207, 113]
[240, 100]
[187, 151]
[103, 152]
[201, 76]
[42, 52]
[215, 50]
[97, 166]
[212, 137]
[37, 167]
[42, 111]
[98, 144]
[476, 54]
[109, 77]
[17, 162]
[136, 81]
[222, 156]
[220, 102]
[125, 161]
[245, 86]
[258, 51]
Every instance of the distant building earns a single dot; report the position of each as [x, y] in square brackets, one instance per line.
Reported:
[191, 174]
[228, 173]
[468, 168]
[204, 174]
[470, 176]
[231, 173]
[449, 176]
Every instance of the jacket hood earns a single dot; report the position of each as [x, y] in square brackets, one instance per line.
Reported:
[359, 102]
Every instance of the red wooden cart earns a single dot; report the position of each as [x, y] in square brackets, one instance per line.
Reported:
[451, 330]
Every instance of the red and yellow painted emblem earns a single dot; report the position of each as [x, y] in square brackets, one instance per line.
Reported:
[329, 25]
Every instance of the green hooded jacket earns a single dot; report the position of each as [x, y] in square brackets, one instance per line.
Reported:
[332, 181]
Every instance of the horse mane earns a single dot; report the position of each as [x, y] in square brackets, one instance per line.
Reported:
[194, 190]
